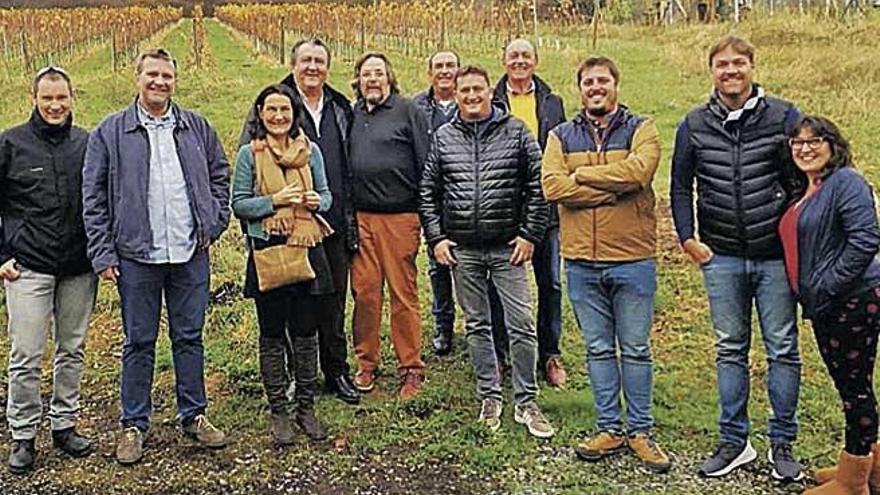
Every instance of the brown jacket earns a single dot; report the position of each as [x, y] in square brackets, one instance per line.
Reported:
[603, 187]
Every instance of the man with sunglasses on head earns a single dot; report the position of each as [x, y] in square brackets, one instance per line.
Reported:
[44, 267]
[734, 148]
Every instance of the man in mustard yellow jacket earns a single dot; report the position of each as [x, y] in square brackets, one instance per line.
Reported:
[598, 168]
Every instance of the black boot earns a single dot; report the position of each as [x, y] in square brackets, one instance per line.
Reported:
[273, 370]
[305, 351]
[71, 443]
[22, 456]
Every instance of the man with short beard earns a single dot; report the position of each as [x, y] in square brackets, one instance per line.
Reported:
[734, 148]
[326, 123]
[483, 213]
[531, 100]
[44, 267]
[155, 197]
[388, 145]
[438, 103]
[599, 167]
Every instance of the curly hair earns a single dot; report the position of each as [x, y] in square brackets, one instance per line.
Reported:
[255, 127]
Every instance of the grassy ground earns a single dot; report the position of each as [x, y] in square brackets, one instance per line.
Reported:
[431, 445]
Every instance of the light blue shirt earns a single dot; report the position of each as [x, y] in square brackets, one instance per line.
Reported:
[171, 218]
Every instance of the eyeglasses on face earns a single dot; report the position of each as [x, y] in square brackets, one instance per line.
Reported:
[813, 143]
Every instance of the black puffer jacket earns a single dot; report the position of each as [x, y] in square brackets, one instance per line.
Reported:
[482, 184]
[742, 184]
[41, 197]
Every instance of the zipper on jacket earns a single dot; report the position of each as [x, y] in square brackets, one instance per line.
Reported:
[737, 192]
[477, 185]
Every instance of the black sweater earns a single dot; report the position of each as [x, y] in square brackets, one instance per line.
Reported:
[387, 152]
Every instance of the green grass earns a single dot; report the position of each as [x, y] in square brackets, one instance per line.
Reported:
[431, 444]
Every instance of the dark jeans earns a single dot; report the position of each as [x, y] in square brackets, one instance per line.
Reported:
[848, 343]
[443, 306]
[333, 346]
[185, 288]
[284, 316]
[546, 263]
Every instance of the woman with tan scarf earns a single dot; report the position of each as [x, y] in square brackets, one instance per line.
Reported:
[278, 187]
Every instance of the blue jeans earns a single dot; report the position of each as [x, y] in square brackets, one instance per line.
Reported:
[141, 286]
[732, 284]
[476, 267]
[614, 306]
[546, 263]
[443, 307]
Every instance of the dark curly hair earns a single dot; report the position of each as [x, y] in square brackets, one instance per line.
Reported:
[255, 127]
[841, 153]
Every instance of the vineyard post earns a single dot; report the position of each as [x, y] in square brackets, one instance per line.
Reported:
[281, 38]
[113, 50]
[25, 55]
[363, 35]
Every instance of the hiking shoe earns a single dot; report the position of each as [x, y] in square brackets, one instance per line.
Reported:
[306, 420]
[555, 373]
[22, 456]
[71, 443]
[365, 380]
[531, 416]
[785, 467]
[411, 384]
[600, 445]
[726, 458]
[490, 414]
[129, 445]
[442, 342]
[202, 431]
[647, 450]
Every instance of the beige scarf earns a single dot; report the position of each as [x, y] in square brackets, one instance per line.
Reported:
[275, 169]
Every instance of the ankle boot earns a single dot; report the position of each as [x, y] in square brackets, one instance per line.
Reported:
[305, 350]
[273, 371]
[828, 474]
[852, 476]
[22, 454]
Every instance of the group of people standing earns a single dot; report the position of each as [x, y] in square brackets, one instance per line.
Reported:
[494, 178]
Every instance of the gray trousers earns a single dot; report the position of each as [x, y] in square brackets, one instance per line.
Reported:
[472, 273]
[37, 303]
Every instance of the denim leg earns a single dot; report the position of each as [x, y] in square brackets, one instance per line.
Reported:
[546, 263]
[471, 286]
[777, 314]
[633, 299]
[513, 292]
[140, 295]
[186, 296]
[499, 330]
[730, 306]
[29, 300]
[74, 302]
[443, 307]
[591, 300]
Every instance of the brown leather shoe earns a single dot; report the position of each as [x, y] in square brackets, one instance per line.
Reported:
[647, 450]
[129, 445]
[555, 373]
[365, 380]
[207, 435]
[411, 385]
[601, 445]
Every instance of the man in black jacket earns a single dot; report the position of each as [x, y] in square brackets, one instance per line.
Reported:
[438, 103]
[483, 219]
[43, 264]
[327, 122]
[531, 100]
[734, 148]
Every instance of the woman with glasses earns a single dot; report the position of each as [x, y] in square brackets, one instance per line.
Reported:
[830, 236]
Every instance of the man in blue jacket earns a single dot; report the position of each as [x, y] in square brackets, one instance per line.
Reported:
[155, 196]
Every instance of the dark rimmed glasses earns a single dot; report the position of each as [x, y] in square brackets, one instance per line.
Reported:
[814, 143]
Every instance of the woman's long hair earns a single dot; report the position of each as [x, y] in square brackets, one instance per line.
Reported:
[841, 153]
[255, 127]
